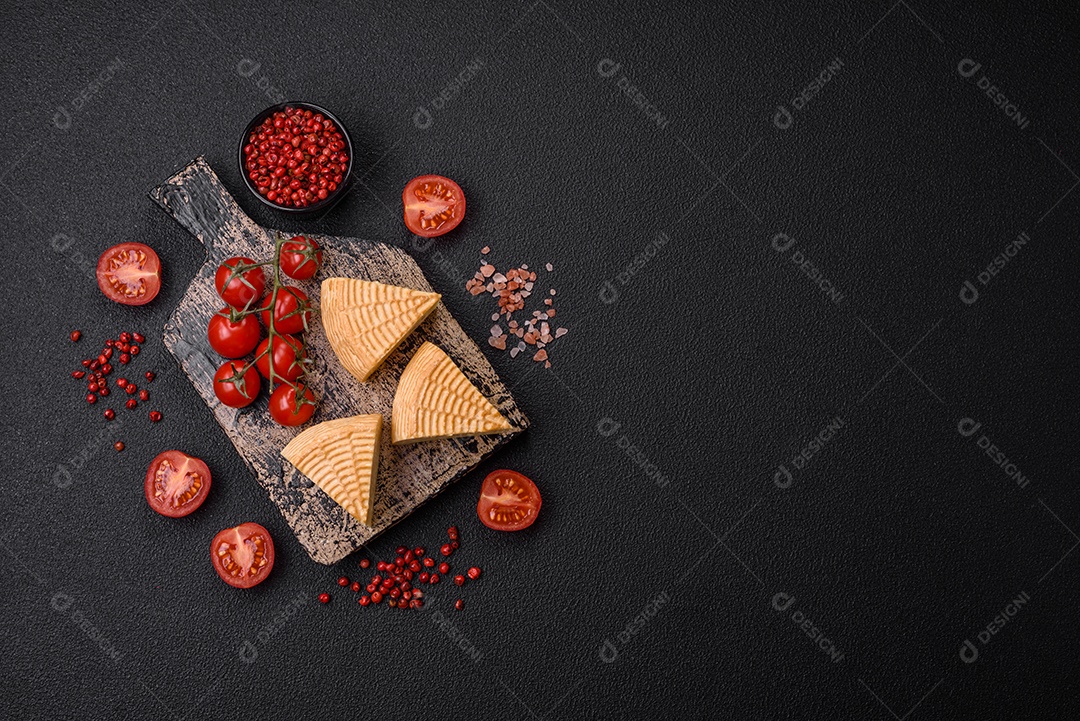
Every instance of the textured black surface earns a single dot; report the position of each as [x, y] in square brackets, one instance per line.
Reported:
[721, 360]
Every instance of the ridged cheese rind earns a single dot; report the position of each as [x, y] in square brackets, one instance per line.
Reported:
[342, 458]
[365, 321]
[434, 400]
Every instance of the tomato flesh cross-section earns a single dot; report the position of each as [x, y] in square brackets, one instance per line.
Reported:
[176, 484]
[509, 501]
[129, 273]
[433, 205]
[243, 556]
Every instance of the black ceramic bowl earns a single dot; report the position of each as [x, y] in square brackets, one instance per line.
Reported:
[314, 207]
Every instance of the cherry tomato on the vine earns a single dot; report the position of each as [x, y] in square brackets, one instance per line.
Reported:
[288, 317]
[287, 409]
[300, 257]
[233, 339]
[289, 352]
[236, 387]
[239, 289]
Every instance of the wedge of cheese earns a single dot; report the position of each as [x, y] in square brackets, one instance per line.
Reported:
[365, 321]
[434, 399]
[342, 458]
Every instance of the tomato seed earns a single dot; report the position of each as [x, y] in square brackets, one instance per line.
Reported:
[434, 578]
[144, 395]
[444, 568]
[78, 374]
[364, 563]
[376, 597]
[324, 598]
[134, 350]
[139, 338]
[446, 550]
[459, 580]
[149, 376]
[131, 404]
[91, 398]
[355, 587]
[75, 336]
[364, 600]
[109, 414]
[125, 337]
[121, 382]
[423, 577]
[343, 581]
[86, 363]
[131, 388]
[474, 573]
[103, 391]
[119, 446]
[125, 358]
[452, 532]
[459, 604]
[155, 416]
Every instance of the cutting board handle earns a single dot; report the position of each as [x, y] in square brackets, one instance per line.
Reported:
[196, 198]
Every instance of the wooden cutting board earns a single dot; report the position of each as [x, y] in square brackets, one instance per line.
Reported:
[408, 475]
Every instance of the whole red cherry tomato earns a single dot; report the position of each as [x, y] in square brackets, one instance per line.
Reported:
[240, 288]
[301, 257]
[233, 338]
[288, 317]
[287, 410]
[289, 353]
[236, 387]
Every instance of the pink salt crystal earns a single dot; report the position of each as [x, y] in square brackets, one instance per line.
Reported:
[549, 267]
[561, 332]
[485, 250]
[487, 270]
[499, 342]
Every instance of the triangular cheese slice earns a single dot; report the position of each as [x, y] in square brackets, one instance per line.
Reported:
[342, 458]
[365, 321]
[434, 399]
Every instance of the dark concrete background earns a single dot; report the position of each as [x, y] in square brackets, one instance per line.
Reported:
[650, 585]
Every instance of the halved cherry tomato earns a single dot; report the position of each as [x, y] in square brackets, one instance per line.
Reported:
[129, 273]
[176, 483]
[300, 257]
[233, 339]
[234, 389]
[239, 289]
[288, 317]
[286, 410]
[508, 501]
[289, 353]
[433, 205]
[243, 556]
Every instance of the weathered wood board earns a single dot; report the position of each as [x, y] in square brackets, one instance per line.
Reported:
[408, 475]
